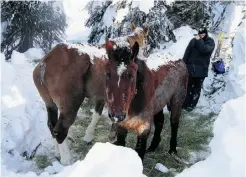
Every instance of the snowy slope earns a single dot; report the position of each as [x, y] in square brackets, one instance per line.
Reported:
[23, 115]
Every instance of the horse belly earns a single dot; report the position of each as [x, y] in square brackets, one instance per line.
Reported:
[163, 94]
[95, 83]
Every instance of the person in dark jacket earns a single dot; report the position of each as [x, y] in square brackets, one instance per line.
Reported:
[197, 58]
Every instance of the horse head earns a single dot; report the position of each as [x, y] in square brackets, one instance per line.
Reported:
[121, 72]
[139, 35]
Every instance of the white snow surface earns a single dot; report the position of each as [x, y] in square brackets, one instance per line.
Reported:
[103, 160]
[76, 18]
[161, 168]
[92, 51]
[121, 69]
[109, 15]
[23, 116]
[144, 5]
[172, 52]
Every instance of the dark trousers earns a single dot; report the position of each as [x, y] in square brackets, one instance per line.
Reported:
[193, 92]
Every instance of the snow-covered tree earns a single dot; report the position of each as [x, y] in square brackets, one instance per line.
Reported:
[31, 24]
[160, 26]
[103, 23]
[193, 13]
[96, 11]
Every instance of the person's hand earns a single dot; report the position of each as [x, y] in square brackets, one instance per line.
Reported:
[197, 37]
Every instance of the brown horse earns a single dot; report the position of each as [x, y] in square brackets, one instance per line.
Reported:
[137, 95]
[64, 77]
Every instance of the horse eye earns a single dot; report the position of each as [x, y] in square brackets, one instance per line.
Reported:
[129, 75]
[108, 75]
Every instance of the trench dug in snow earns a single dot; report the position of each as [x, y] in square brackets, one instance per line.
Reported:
[194, 135]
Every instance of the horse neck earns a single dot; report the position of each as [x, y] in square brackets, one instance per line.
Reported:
[133, 38]
[145, 89]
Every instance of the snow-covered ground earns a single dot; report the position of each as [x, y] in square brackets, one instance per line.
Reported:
[24, 127]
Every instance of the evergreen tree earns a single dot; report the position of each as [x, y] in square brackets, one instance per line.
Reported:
[193, 13]
[160, 27]
[96, 11]
[31, 24]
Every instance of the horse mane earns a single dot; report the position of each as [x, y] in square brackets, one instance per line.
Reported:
[138, 102]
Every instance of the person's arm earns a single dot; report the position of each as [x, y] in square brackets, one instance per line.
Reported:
[205, 48]
[187, 52]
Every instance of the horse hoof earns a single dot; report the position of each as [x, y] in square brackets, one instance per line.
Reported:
[172, 151]
[89, 143]
[66, 161]
[150, 149]
[88, 138]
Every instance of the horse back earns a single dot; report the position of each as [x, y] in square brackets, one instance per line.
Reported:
[170, 80]
[61, 72]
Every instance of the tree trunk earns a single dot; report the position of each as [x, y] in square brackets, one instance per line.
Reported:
[26, 43]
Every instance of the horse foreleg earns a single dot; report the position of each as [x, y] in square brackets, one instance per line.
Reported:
[175, 109]
[52, 120]
[61, 131]
[121, 133]
[158, 122]
[65, 153]
[89, 133]
[52, 111]
[141, 143]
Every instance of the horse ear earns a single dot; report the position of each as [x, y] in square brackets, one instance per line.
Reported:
[146, 30]
[135, 50]
[133, 27]
[108, 46]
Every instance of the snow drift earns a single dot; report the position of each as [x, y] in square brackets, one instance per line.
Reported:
[23, 116]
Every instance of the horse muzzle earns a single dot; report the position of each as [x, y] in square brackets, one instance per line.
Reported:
[119, 116]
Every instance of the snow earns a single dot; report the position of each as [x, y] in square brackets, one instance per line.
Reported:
[121, 13]
[92, 51]
[121, 69]
[143, 5]
[34, 54]
[103, 160]
[161, 168]
[76, 18]
[228, 144]
[23, 116]
[183, 34]
[237, 69]
[109, 15]
[233, 14]
[121, 41]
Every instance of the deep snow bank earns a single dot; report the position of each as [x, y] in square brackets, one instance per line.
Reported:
[228, 144]
[103, 160]
[23, 115]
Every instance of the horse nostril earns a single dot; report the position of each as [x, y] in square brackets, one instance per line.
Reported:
[111, 114]
[122, 117]
[55, 132]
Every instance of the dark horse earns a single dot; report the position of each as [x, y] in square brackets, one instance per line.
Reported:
[137, 95]
[68, 74]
